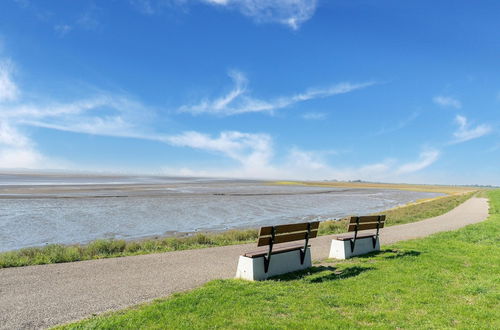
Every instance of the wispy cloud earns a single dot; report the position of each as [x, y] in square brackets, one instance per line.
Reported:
[62, 29]
[238, 100]
[16, 149]
[105, 114]
[426, 158]
[311, 165]
[144, 6]
[250, 150]
[465, 132]
[447, 102]
[314, 116]
[109, 114]
[8, 89]
[156, 7]
[399, 125]
[494, 148]
[292, 13]
[64, 24]
[89, 20]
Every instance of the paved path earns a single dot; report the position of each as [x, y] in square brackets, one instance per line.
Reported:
[46, 295]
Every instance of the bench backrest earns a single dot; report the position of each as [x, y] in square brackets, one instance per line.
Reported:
[287, 233]
[366, 222]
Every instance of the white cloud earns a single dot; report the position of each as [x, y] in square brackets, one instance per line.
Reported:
[305, 160]
[144, 6]
[18, 151]
[466, 133]
[109, 114]
[447, 102]
[89, 20]
[426, 159]
[292, 13]
[400, 125]
[8, 89]
[311, 165]
[63, 29]
[9, 136]
[154, 7]
[252, 151]
[237, 101]
[314, 116]
[11, 158]
[105, 114]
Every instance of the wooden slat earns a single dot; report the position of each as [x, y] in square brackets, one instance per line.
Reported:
[367, 218]
[313, 233]
[265, 231]
[263, 251]
[288, 228]
[286, 238]
[345, 237]
[364, 226]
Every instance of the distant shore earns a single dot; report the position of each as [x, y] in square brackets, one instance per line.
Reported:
[457, 189]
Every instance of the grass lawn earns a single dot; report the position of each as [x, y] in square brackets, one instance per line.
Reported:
[448, 280]
[57, 253]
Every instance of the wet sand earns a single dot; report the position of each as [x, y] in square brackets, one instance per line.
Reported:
[79, 210]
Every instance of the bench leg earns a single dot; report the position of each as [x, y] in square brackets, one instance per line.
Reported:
[342, 249]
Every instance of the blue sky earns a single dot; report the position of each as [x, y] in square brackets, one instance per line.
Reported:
[376, 90]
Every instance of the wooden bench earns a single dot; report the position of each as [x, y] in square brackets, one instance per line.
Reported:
[276, 243]
[355, 243]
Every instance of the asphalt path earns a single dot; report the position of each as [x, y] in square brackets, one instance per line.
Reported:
[47, 295]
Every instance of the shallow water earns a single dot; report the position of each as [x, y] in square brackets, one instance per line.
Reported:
[77, 215]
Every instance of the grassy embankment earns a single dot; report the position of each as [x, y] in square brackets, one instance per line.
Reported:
[448, 280]
[373, 185]
[57, 253]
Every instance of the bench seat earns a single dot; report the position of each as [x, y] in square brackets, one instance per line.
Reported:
[263, 251]
[349, 236]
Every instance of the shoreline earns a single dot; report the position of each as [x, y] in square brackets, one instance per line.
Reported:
[39, 216]
[174, 234]
[109, 248]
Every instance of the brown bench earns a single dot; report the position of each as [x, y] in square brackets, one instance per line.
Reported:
[279, 239]
[361, 224]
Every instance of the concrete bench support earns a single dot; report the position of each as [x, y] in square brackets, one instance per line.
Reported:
[341, 249]
[252, 269]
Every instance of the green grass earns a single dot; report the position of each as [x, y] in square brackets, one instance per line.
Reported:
[448, 280]
[405, 214]
[58, 253]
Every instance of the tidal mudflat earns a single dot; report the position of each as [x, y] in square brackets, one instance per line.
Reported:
[39, 210]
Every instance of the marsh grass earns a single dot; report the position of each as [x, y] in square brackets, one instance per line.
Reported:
[448, 280]
[57, 253]
[375, 185]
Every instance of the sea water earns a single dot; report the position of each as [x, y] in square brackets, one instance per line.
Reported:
[78, 210]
